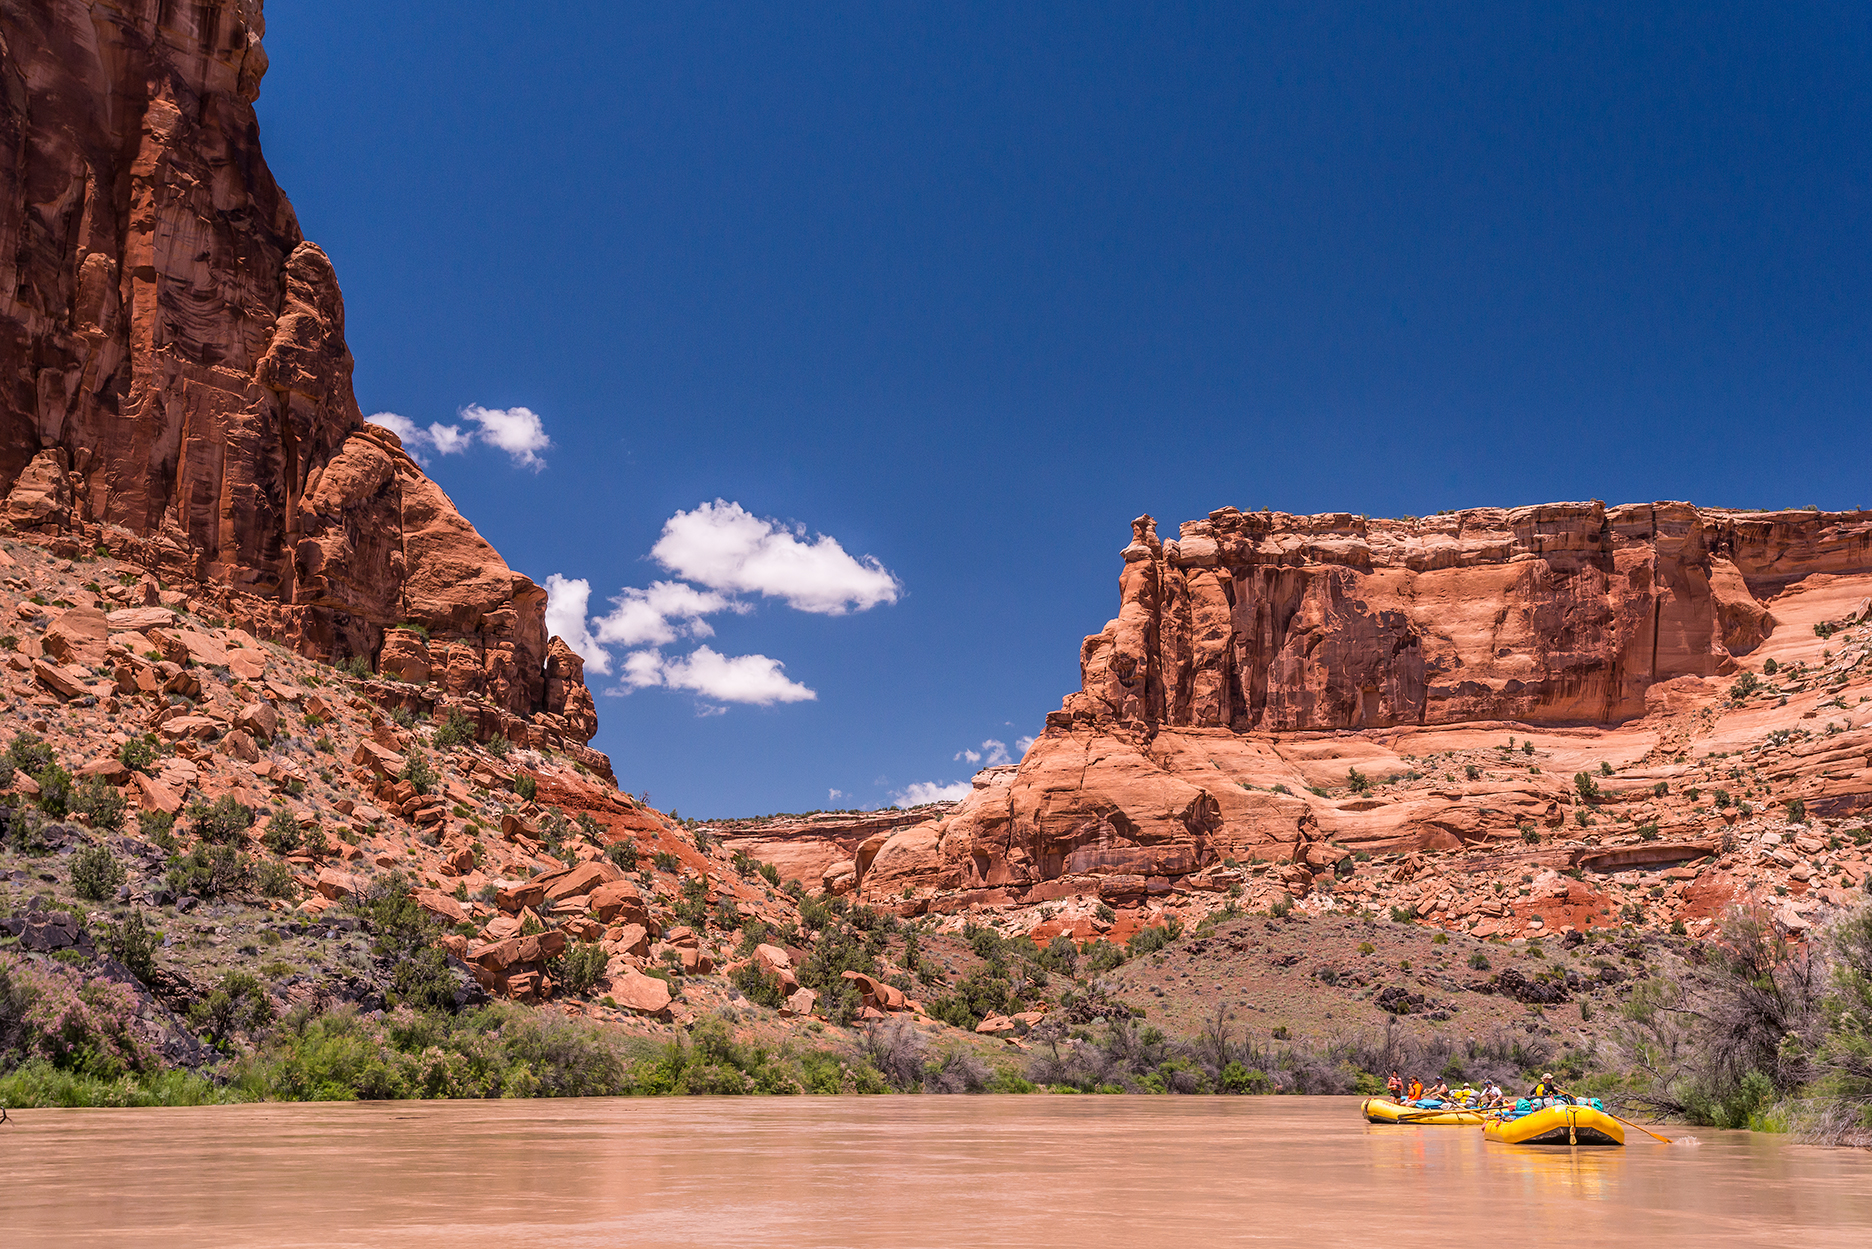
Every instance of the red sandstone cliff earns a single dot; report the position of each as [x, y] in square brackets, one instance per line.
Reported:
[1258, 660]
[174, 379]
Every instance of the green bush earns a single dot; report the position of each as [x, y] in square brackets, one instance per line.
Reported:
[1101, 957]
[223, 821]
[282, 835]
[134, 945]
[238, 1004]
[101, 803]
[418, 771]
[56, 791]
[137, 754]
[1796, 811]
[770, 873]
[210, 872]
[526, 787]
[96, 873]
[1588, 788]
[1237, 1078]
[275, 880]
[457, 730]
[498, 745]
[623, 855]
[1150, 940]
[758, 985]
[158, 826]
[1479, 961]
[28, 753]
[581, 967]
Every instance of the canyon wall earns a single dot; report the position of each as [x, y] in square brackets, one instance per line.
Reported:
[1291, 690]
[174, 379]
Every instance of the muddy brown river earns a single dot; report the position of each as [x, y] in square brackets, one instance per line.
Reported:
[891, 1171]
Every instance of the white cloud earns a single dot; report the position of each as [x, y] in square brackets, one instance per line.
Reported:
[752, 679]
[517, 431]
[566, 598]
[932, 791]
[1022, 745]
[992, 751]
[659, 615]
[833, 795]
[726, 548]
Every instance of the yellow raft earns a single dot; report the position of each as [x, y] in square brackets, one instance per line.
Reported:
[1384, 1110]
[1558, 1125]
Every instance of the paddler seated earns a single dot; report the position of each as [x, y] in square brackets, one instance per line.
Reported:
[1416, 1090]
[1440, 1091]
[1544, 1088]
[1491, 1094]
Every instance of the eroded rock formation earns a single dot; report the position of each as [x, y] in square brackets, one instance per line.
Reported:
[1280, 693]
[174, 379]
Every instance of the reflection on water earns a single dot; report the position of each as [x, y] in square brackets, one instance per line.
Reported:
[889, 1171]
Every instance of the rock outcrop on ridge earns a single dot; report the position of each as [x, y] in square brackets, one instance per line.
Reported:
[1356, 712]
[174, 380]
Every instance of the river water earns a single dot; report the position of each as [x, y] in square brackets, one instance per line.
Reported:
[1185, 1172]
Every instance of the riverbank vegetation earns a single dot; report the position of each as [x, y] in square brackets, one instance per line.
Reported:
[1767, 1033]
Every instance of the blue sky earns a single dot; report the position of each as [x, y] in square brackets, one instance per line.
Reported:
[964, 288]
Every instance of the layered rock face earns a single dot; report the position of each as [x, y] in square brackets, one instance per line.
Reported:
[1290, 690]
[176, 384]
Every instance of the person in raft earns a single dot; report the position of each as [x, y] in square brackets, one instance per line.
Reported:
[1440, 1090]
[1416, 1089]
[1492, 1094]
[1545, 1087]
[1395, 1085]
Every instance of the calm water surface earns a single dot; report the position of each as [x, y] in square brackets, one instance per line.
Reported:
[890, 1171]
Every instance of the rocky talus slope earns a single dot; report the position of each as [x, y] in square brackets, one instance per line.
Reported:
[1504, 722]
[174, 379]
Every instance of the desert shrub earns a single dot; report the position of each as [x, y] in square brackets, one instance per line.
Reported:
[51, 1013]
[157, 826]
[210, 872]
[457, 730]
[403, 718]
[581, 967]
[275, 880]
[1282, 907]
[137, 754]
[222, 821]
[101, 803]
[133, 944]
[96, 873]
[238, 1004]
[498, 745]
[28, 753]
[1796, 811]
[317, 845]
[282, 835]
[1479, 961]
[1150, 940]
[623, 855]
[358, 666]
[1588, 788]
[1472, 772]
[1101, 956]
[1744, 685]
[418, 771]
[758, 985]
[526, 788]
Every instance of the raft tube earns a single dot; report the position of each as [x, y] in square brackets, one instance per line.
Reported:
[1558, 1125]
[1384, 1110]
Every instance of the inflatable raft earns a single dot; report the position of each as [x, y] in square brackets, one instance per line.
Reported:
[1557, 1125]
[1384, 1110]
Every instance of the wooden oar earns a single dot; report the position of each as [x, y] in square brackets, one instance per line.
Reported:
[1641, 1127]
